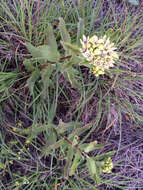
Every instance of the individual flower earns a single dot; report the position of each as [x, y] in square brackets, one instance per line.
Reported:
[99, 52]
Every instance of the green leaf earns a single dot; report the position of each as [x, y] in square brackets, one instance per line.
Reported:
[96, 147]
[73, 48]
[47, 82]
[70, 155]
[32, 80]
[90, 147]
[64, 34]
[34, 128]
[48, 53]
[51, 40]
[33, 50]
[81, 130]
[104, 155]
[28, 63]
[80, 30]
[43, 52]
[68, 164]
[61, 142]
[33, 131]
[51, 137]
[75, 60]
[48, 149]
[75, 164]
[94, 170]
[63, 127]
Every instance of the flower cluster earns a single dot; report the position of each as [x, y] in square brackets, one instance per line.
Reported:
[107, 165]
[100, 53]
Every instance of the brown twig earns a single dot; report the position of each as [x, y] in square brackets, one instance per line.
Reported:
[20, 41]
[114, 82]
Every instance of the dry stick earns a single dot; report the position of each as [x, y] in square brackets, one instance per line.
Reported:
[114, 82]
[57, 185]
[21, 41]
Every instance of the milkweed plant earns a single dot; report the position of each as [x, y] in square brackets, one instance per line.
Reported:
[99, 54]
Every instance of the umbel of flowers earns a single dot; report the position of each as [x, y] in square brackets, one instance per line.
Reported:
[99, 52]
[107, 165]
